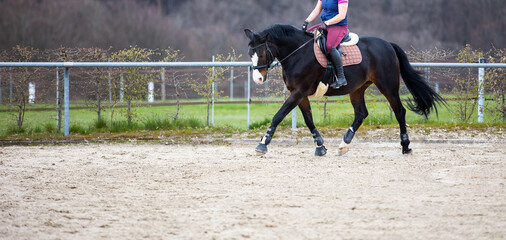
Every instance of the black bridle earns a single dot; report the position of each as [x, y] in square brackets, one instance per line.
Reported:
[270, 56]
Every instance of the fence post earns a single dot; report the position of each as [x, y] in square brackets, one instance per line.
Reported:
[232, 81]
[1, 89]
[481, 80]
[294, 118]
[66, 100]
[10, 85]
[246, 87]
[212, 96]
[249, 94]
[57, 97]
[121, 89]
[162, 75]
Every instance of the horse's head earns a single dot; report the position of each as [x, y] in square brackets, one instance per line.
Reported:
[260, 54]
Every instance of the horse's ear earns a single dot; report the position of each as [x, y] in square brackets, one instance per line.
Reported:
[263, 38]
[249, 34]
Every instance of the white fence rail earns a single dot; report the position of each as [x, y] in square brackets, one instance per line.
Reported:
[67, 65]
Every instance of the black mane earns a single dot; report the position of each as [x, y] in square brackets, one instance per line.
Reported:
[279, 31]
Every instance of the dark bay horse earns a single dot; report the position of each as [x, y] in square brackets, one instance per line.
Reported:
[383, 63]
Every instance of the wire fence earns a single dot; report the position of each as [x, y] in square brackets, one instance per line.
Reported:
[63, 83]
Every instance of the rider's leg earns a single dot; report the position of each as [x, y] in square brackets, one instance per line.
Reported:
[335, 35]
[338, 68]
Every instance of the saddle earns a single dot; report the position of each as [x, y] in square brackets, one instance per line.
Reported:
[348, 48]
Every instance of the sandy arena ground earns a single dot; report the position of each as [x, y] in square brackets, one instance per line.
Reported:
[156, 191]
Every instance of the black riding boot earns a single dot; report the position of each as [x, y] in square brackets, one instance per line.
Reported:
[338, 68]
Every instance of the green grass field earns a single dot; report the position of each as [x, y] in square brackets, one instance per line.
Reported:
[226, 116]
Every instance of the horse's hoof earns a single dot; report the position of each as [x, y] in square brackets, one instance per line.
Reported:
[407, 151]
[344, 147]
[261, 148]
[320, 151]
[343, 150]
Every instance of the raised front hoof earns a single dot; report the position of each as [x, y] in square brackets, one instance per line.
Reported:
[320, 151]
[406, 151]
[261, 148]
[343, 150]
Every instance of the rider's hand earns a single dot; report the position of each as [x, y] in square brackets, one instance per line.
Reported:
[322, 27]
[304, 26]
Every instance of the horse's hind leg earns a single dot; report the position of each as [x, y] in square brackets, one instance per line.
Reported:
[400, 114]
[305, 108]
[358, 102]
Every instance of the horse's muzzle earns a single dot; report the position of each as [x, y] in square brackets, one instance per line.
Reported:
[259, 76]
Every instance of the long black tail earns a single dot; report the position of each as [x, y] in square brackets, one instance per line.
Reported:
[424, 96]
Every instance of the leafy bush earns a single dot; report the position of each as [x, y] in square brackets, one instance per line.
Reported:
[123, 126]
[100, 124]
[77, 128]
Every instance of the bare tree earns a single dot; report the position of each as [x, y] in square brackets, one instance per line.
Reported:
[98, 79]
[134, 86]
[178, 78]
[21, 79]
[496, 83]
[213, 77]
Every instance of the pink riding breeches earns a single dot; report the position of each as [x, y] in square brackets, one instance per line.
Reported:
[335, 35]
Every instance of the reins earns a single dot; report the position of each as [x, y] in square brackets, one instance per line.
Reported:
[300, 47]
[271, 56]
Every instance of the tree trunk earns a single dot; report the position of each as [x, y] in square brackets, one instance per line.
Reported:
[207, 113]
[99, 109]
[176, 89]
[178, 106]
[129, 111]
[21, 111]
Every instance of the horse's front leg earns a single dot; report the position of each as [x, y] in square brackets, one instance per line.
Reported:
[305, 108]
[287, 107]
[360, 109]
